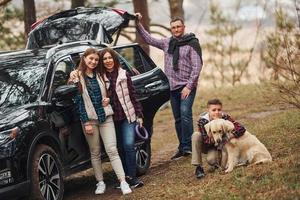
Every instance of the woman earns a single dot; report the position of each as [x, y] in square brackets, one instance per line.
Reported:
[127, 111]
[96, 117]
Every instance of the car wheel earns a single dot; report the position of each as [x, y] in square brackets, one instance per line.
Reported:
[143, 157]
[46, 174]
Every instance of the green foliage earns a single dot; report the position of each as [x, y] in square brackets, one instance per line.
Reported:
[10, 39]
[229, 61]
[282, 56]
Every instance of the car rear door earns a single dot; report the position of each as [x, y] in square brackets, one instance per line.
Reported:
[151, 84]
[78, 24]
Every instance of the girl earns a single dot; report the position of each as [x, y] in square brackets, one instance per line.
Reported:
[127, 111]
[96, 117]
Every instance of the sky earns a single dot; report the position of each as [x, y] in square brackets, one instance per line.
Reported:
[196, 11]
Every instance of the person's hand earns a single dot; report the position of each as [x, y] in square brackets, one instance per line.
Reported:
[74, 76]
[105, 101]
[185, 92]
[140, 121]
[138, 16]
[88, 128]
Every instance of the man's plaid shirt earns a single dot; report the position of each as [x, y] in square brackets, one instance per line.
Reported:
[189, 62]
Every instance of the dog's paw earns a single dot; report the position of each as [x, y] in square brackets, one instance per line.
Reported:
[228, 170]
[222, 172]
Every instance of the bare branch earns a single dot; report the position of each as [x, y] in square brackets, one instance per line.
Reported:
[161, 26]
[127, 36]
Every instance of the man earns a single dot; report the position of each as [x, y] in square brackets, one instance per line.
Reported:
[183, 63]
[201, 143]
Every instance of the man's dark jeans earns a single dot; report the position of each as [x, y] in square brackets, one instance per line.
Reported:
[126, 139]
[183, 115]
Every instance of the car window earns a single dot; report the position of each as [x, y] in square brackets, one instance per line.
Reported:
[136, 59]
[20, 81]
[62, 72]
[77, 25]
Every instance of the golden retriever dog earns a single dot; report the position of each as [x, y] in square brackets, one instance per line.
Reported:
[246, 149]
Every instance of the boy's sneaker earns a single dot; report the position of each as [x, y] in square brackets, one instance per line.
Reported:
[100, 187]
[125, 188]
[199, 172]
[134, 182]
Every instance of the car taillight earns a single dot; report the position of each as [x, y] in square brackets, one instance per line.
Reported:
[35, 24]
[119, 11]
[38, 22]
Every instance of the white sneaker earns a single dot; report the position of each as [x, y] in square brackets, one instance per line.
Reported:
[125, 188]
[100, 187]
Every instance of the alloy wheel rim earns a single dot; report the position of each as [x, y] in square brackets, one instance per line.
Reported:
[49, 177]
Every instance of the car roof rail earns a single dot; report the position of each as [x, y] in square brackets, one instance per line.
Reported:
[55, 49]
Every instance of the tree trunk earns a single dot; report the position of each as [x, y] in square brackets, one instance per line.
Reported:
[141, 6]
[4, 2]
[29, 15]
[77, 3]
[176, 8]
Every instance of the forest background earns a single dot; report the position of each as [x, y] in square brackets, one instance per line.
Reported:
[251, 51]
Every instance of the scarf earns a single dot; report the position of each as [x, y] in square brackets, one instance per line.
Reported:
[188, 39]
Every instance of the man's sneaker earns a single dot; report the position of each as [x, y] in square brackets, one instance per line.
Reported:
[199, 172]
[134, 182]
[125, 188]
[178, 155]
[187, 153]
[100, 187]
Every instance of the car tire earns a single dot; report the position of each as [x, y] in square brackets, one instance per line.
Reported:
[46, 175]
[143, 157]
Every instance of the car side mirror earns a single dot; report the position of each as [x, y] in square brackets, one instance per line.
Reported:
[65, 92]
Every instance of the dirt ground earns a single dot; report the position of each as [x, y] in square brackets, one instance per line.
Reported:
[274, 124]
[81, 186]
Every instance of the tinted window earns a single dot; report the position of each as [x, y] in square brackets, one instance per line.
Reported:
[62, 33]
[76, 25]
[62, 72]
[136, 58]
[20, 81]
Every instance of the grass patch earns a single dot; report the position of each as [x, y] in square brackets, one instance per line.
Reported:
[277, 126]
[274, 124]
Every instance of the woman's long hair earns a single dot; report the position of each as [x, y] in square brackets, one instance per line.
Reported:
[82, 67]
[113, 54]
[115, 58]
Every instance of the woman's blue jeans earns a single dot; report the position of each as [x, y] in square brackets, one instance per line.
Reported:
[183, 115]
[126, 141]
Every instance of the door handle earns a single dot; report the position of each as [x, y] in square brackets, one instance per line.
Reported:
[153, 85]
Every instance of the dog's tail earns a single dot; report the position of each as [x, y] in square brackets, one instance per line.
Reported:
[263, 161]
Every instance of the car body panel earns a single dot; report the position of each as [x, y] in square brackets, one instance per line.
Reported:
[78, 24]
[43, 118]
[34, 117]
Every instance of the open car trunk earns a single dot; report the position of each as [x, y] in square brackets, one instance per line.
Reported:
[78, 24]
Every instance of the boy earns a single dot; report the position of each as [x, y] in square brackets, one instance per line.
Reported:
[201, 143]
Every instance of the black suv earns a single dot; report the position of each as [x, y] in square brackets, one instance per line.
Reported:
[41, 139]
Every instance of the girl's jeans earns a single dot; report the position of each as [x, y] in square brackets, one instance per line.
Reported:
[126, 141]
